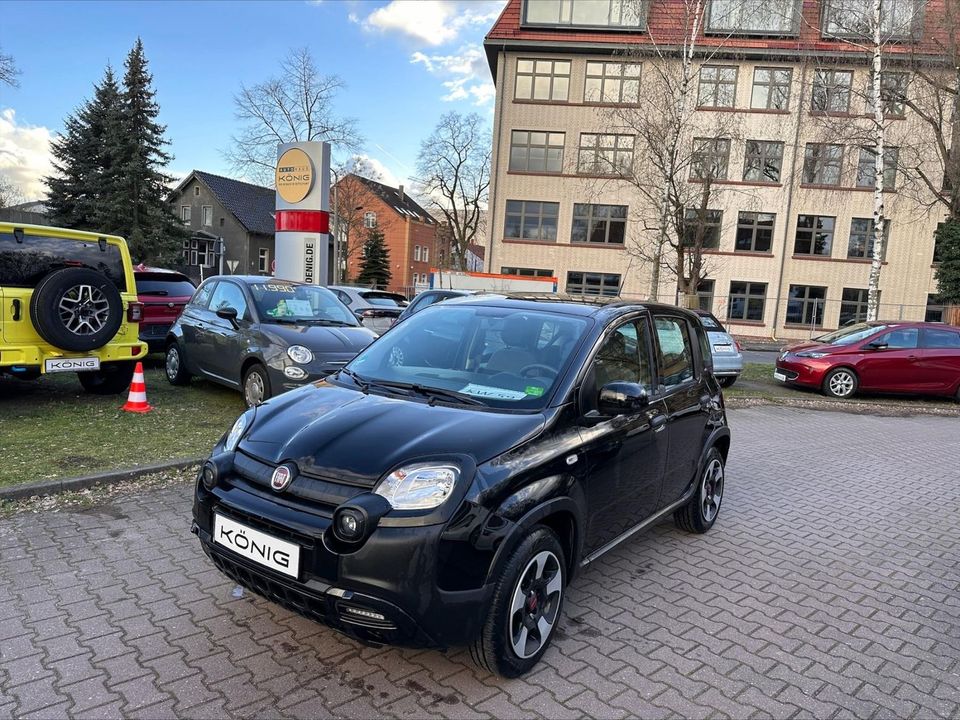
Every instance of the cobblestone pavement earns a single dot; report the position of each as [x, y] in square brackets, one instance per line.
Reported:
[829, 587]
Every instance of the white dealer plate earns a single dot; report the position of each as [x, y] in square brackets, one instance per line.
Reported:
[263, 549]
[71, 364]
[723, 348]
[779, 376]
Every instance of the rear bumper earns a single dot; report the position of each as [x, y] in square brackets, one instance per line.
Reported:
[730, 366]
[154, 334]
[35, 356]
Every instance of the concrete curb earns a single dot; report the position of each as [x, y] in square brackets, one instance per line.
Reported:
[110, 477]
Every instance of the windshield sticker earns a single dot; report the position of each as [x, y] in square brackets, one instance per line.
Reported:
[296, 306]
[493, 393]
[534, 391]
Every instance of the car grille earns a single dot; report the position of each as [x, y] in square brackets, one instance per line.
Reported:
[325, 494]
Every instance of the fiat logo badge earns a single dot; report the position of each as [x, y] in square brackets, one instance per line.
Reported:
[281, 478]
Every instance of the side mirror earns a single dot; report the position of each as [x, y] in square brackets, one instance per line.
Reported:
[228, 313]
[622, 398]
[877, 345]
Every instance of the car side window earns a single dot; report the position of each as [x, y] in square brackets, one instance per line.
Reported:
[941, 339]
[202, 297]
[344, 298]
[675, 351]
[904, 339]
[624, 357]
[229, 295]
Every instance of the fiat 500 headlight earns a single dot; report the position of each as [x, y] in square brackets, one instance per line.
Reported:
[419, 487]
[237, 431]
[300, 354]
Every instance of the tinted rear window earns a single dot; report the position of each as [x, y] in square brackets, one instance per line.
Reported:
[384, 299]
[25, 263]
[164, 285]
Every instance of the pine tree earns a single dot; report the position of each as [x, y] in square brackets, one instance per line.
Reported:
[375, 267]
[948, 255]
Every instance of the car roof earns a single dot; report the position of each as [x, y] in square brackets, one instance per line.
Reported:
[597, 307]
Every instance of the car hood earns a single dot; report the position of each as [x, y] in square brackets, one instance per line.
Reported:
[815, 346]
[320, 338]
[343, 434]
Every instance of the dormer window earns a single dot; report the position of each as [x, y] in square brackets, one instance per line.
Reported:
[587, 13]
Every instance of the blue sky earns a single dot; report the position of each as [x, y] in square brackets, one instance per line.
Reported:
[405, 62]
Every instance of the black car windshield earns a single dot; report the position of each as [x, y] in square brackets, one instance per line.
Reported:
[850, 335]
[502, 357]
[164, 284]
[384, 299]
[286, 302]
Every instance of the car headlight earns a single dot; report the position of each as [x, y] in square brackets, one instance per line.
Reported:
[236, 432]
[419, 487]
[300, 354]
[814, 355]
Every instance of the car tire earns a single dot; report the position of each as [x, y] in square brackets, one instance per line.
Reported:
[727, 381]
[76, 309]
[536, 569]
[111, 379]
[841, 383]
[701, 512]
[175, 366]
[256, 385]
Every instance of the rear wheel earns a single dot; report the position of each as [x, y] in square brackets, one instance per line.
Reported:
[701, 512]
[526, 607]
[256, 385]
[840, 383]
[111, 379]
[727, 381]
[175, 367]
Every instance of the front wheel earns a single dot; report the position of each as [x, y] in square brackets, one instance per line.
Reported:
[840, 383]
[111, 379]
[701, 512]
[256, 385]
[526, 607]
[175, 367]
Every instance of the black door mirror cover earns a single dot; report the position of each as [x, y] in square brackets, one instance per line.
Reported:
[622, 398]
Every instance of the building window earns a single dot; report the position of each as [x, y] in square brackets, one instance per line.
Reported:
[763, 161]
[703, 224]
[605, 154]
[612, 82]
[199, 252]
[528, 220]
[185, 213]
[893, 94]
[206, 213]
[831, 91]
[416, 253]
[860, 244]
[532, 151]
[604, 224]
[370, 220]
[822, 164]
[263, 260]
[935, 308]
[866, 169]
[588, 283]
[754, 17]
[718, 86]
[755, 232]
[196, 191]
[814, 235]
[587, 13]
[771, 88]
[542, 80]
[747, 300]
[705, 290]
[526, 272]
[425, 254]
[221, 222]
[854, 18]
[711, 157]
[805, 305]
[853, 306]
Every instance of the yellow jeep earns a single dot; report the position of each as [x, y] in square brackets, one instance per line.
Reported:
[68, 303]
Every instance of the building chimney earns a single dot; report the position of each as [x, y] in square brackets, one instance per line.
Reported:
[400, 190]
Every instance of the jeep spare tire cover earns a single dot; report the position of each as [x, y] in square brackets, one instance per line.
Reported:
[76, 309]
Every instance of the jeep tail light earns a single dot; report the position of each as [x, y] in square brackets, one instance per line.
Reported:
[135, 312]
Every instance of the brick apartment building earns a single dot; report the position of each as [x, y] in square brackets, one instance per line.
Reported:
[409, 231]
[791, 248]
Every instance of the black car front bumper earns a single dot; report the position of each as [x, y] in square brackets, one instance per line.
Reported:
[385, 592]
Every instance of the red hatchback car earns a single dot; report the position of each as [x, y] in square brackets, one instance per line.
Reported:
[896, 357]
[164, 294]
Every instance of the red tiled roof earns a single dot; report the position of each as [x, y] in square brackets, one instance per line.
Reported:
[666, 27]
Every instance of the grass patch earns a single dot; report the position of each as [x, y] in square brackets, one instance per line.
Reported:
[50, 428]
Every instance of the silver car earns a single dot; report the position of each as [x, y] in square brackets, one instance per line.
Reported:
[375, 309]
[727, 360]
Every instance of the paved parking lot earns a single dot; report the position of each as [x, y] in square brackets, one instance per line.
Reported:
[829, 587]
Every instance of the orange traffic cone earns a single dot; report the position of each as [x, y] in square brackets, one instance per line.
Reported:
[137, 399]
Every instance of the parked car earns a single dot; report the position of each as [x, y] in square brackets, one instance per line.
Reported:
[895, 357]
[450, 499]
[262, 335]
[163, 294]
[727, 356]
[428, 298]
[376, 309]
[68, 303]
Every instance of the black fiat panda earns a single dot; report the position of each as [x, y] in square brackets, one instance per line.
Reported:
[444, 487]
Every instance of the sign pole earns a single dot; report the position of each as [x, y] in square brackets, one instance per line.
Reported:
[303, 216]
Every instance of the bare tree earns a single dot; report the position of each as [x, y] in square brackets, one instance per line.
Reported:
[454, 174]
[8, 71]
[10, 193]
[348, 198]
[296, 105]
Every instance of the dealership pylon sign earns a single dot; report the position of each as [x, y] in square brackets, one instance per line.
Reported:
[303, 212]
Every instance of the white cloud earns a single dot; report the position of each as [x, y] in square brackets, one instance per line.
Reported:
[465, 74]
[433, 22]
[372, 167]
[24, 154]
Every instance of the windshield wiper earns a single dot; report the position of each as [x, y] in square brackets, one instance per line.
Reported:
[430, 392]
[333, 323]
[364, 385]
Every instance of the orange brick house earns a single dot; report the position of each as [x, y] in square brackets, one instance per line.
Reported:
[409, 231]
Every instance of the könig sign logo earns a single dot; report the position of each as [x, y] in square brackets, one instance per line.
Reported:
[294, 175]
